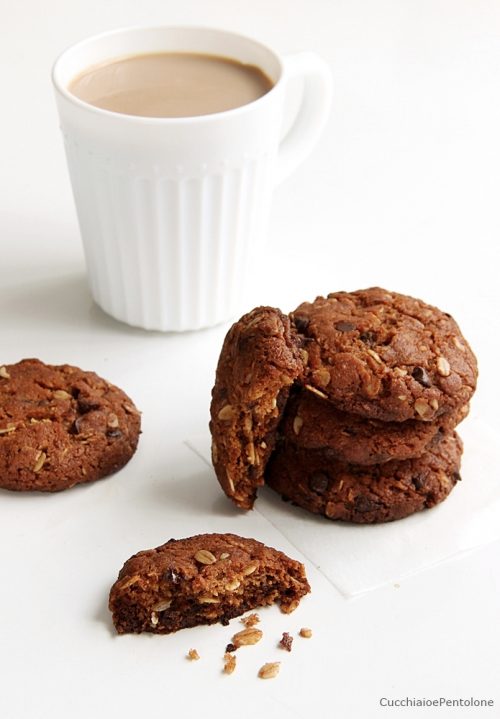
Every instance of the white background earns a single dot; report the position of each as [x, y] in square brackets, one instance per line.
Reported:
[402, 191]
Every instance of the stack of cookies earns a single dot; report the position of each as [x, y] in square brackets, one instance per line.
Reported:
[347, 406]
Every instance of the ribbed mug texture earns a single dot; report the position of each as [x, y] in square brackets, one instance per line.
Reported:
[168, 251]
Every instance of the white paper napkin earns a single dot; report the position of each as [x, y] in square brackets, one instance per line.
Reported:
[359, 558]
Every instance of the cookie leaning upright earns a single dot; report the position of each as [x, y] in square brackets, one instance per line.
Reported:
[259, 361]
[61, 426]
[385, 356]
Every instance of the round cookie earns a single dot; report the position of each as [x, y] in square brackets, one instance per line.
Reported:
[259, 361]
[311, 422]
[385, 356]
[365, 494]
[61, 426]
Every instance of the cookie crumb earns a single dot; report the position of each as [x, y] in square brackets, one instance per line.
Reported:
[269, 670]
[229, 663]
[305, 632]
[286, 642]
[246, 637]
[251, 620]
[193, 655]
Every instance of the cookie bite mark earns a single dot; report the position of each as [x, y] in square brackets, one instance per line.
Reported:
[202, 580]
[260, 360]
[386, 356]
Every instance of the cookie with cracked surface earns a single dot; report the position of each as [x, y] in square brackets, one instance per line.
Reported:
[385, 356]
[259, 361]
[204, 579]
[61, 426]
[314, 480]
[311, 422]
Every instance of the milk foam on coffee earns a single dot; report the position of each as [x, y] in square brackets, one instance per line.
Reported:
[170, 84]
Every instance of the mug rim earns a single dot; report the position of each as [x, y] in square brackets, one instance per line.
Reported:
[62, 88]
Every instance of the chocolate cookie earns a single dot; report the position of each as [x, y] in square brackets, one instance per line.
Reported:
[61, 426]
[259, 361]
[314, 423]
[202, 580]
[321, 484]
[385, 356]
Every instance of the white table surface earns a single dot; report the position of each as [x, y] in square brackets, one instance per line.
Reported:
[402, 191]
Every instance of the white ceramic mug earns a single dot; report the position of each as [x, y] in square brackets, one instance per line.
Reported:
[171, 208]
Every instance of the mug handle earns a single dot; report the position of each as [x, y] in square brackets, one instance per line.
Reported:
[313, 111]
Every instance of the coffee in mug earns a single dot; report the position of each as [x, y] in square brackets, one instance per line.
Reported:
[171, 84]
